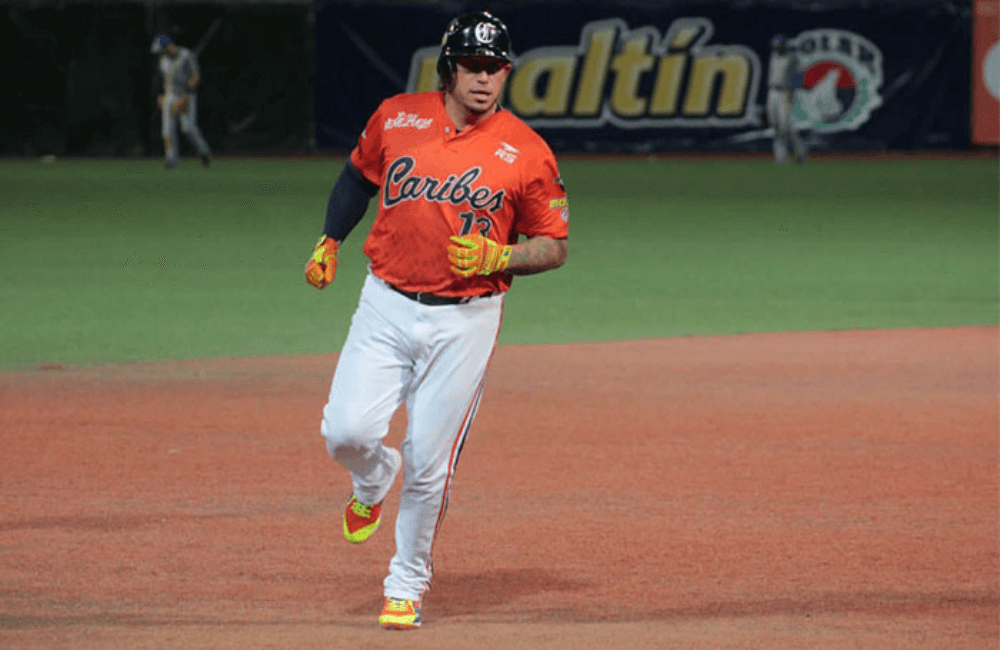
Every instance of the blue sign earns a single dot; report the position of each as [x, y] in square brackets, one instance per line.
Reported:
[672, 76]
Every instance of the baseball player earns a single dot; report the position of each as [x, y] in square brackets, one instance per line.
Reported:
[783, 79]
[470, 197]
[179, 101]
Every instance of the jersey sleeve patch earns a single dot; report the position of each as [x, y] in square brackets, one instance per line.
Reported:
[546, 207]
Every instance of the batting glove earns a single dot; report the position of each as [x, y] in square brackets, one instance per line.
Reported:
[180, 105]
[322, 266]
[472, 254]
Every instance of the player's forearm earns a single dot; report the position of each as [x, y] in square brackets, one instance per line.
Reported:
[536, 255]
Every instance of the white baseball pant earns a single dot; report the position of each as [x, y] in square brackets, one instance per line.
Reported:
[433, 359]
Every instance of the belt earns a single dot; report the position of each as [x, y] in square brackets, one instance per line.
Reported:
[425, 298]
[779, 88]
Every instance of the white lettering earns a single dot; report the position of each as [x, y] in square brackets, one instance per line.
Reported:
[408, 120]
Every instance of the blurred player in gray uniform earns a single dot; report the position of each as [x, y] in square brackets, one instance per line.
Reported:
[179, 101]
[783, 79]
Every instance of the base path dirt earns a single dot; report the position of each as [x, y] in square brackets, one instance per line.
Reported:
[810, 490]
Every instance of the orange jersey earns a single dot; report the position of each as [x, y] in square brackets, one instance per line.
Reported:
[497, 177]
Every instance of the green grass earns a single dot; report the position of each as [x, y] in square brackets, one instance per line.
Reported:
[719, 246]
[109, 261]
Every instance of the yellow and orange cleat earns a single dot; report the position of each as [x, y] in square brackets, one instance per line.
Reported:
[360, 520]
[400, 614]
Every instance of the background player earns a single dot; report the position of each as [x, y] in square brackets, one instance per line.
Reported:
[460, 180]
[179, 101]
[783, 78]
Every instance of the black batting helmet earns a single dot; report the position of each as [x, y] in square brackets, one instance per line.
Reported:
[479, 33]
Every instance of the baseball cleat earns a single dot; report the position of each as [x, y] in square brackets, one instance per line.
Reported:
[400, 614]
[360, 520]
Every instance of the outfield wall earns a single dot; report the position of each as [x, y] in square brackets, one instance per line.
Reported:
[986, 73]
[686, 75]
[286, 77]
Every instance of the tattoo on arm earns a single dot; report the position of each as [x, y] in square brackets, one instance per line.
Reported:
[536, 255]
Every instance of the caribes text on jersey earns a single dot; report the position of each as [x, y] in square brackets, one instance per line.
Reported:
[401, 185]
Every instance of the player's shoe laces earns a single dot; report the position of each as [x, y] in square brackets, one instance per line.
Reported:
[400, 614]
[360, 520]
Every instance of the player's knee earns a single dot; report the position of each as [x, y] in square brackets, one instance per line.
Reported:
[335, 434]
[344, 429]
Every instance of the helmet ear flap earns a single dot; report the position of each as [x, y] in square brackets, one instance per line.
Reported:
[445, 69]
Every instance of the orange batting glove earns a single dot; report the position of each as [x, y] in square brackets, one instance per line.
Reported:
[472, 254]
[322, 266]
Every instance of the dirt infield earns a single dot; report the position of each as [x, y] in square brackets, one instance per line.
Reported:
[814, 490]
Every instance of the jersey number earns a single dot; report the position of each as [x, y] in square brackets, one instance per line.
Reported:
[483, 224]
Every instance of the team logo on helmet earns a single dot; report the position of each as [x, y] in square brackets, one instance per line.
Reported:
[842, 76]
[486, 32]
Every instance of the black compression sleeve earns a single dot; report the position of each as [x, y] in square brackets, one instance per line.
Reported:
[348, 202]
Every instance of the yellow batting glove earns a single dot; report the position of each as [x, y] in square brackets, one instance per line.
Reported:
[322, 266]
[474, 254]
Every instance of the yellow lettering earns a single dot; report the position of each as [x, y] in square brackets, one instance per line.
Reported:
[557, 73]
[667, 88]
[733, 71]
[685, 35]
[427, 78]
[594, 72]
[629, 66]
[690, 82]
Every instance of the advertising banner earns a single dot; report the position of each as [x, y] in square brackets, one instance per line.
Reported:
[986, 73]
[672, 75]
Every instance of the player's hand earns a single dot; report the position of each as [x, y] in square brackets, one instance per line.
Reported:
[159, 100]
[180, 105]
[322, 266]
[472, 254]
